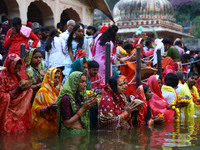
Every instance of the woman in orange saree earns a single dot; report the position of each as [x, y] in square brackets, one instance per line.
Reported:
[157, 103]
[15, 96]
[44, 109]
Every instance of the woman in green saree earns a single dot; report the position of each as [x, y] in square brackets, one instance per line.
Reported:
[35, 69]
[73, 106]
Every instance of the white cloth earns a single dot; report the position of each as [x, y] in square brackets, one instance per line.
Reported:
[65, 35]
[162, 48]
[178, 89]
[169, 96]
[56, 57]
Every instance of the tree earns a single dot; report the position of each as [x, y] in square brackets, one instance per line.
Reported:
[196, 29]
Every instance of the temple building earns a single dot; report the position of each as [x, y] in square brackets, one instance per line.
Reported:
[50, 12]
[156, 16]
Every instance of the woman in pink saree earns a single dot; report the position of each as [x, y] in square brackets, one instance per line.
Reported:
[15, 96]
[157, 103]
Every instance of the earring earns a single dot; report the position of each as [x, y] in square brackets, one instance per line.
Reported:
[74, 35]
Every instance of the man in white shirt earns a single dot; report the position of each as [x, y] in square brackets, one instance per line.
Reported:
[181, 78]
[164, 45]
[70, 25]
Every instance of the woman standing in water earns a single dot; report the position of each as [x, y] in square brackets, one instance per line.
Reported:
[73, 106]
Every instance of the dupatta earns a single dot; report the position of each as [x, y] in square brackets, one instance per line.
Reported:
[70, 88]
[158, 104]
[46, 95]
[77, 65]
[18, 107]
[144, 108]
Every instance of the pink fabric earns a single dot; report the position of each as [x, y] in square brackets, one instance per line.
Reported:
[25, 31]
[149, 53]
[101, 59]
[97, 85]
[95, 44]
[158, 104]
[180, 50]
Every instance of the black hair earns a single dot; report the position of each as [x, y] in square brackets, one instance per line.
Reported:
[185, 57]
[36, 30]
[191, 74]
[37, 50]
[84, 60]
[52, 34]
[93, 64]
[59, 25]
[171, 80]
[180, 75]
[128, 46]
[92, 28]
[81, 40]
[166, 41]
[16, 21]
[145, 87]
[178, 43]
[121, 42]
[4, 18]
[148, 42]
[109, 35]
[196, 64]
[113, 83]
[43, 29]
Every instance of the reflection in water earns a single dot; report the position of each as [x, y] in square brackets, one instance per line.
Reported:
[167, 137]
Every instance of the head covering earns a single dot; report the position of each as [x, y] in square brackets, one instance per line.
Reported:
[103, 29]
[123, 78]
[10, 63]
[48, 81]
[77, 65]
[29, 24]
[28, 58]
[70, 88]
[143, 109]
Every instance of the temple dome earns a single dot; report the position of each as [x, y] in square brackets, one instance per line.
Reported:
[136, 9]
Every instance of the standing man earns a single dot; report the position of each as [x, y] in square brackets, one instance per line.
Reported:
[70, 25]
[45, 35]
[17, 35]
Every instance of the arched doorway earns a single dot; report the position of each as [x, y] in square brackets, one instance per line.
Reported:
[10, 8]
[39, 11]
[68, 14]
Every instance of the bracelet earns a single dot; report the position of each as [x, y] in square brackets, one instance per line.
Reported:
[79, 113]
[125, 115]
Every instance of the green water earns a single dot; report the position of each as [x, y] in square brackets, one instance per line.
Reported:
[166, 137]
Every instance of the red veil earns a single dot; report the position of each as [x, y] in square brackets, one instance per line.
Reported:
[158, 104]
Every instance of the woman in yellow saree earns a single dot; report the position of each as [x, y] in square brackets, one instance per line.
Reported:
[44, 109]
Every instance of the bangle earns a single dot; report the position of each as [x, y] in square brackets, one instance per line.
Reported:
[79, 114]
[124, 115]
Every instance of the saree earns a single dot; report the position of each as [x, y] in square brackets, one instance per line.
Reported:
[15, 114]
[189, 111]
[78, 66]
[70, 88]
[142, 113]
[157, 103]
[129, 71]
[46, 96]
[198, 85]
[110, 107]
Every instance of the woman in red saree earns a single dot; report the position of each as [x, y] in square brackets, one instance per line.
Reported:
[114, 111]
[158, 104]
[15, 96]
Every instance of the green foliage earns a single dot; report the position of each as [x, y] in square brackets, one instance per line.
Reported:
[196, 29]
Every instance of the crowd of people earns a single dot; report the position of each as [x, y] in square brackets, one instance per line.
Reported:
[59, 85]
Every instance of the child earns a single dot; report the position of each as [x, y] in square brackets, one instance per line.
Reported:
[93, 68]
